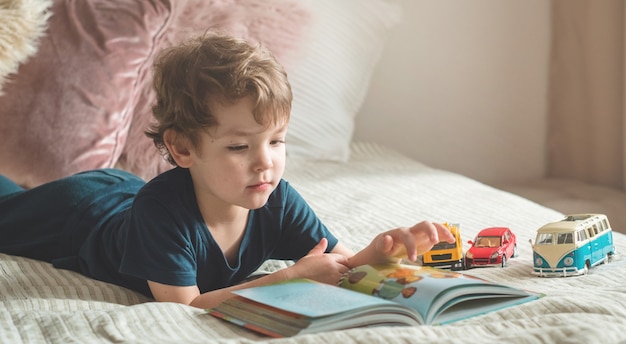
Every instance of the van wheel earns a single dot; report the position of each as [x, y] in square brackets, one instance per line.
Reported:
[586, 268]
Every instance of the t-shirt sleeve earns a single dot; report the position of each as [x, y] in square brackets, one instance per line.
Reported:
[157, 247]
[302, 229]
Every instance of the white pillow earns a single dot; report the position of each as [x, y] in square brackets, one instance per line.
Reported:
[331, 77]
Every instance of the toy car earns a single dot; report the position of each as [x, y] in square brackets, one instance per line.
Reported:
[573, 245]
[491, 247]
[444, 254]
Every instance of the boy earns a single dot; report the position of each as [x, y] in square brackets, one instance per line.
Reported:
[194, 233]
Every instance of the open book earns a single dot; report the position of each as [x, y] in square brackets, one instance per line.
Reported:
[370, 295]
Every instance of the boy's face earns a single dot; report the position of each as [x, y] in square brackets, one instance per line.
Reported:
[239, 161]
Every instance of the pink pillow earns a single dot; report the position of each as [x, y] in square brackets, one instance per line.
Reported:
[69, 107]
[277, 24]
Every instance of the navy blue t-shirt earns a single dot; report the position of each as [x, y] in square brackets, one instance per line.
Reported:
[163, 238]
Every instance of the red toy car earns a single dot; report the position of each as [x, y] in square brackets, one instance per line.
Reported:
[492, 247]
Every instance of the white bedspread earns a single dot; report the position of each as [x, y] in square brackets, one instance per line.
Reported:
[377, 190]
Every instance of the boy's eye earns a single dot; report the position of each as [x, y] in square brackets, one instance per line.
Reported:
[237, 148]
[276, 142]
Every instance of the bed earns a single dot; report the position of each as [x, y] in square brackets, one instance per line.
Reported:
[376, 189]
[356, 188]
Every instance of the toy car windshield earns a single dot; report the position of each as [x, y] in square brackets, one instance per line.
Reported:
[488, 242]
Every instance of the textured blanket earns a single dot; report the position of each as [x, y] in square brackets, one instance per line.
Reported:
[376, 190]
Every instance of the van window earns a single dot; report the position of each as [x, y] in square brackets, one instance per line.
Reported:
[544, 239]
[565, 238]
[581, 235]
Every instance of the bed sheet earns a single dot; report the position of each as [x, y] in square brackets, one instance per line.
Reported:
[377, 189]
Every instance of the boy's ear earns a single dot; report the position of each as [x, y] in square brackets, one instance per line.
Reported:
[178, 147]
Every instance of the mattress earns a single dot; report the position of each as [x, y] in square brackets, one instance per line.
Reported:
[377, 189]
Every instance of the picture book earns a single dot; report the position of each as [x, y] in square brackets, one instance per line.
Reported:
[370, 295]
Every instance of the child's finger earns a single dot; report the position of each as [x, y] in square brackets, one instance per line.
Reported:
[411, 237]
[424, 235]
[320, 248]
[385, 244]
[444, 233]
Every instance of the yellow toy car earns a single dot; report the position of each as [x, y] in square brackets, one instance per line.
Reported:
[445, 254]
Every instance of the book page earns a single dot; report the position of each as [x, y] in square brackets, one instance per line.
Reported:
[428, 290]
[310, 298]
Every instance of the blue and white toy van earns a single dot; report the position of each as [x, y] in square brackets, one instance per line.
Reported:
[573, 245]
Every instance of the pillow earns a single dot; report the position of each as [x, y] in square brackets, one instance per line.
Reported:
[331, 78]
[277, 24]
[23, 23]
[68, 109]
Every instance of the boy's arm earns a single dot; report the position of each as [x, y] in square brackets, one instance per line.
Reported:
[325, 268]
[190, 295]
[389, 246]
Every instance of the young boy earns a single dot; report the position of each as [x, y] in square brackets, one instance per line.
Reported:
[194, 233]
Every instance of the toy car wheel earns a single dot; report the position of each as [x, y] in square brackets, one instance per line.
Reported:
[503, 260]
[515, 253]
[586, 269]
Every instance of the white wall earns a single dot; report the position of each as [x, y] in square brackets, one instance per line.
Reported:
[462, 86]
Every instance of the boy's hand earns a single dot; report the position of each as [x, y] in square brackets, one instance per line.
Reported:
[414, 241]
[319, 266]
[403, 242]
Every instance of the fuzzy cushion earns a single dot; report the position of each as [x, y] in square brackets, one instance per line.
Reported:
[69, 107]
[22, 23]
[277, 24]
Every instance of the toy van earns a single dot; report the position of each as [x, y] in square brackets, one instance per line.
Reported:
[445, 254]
[573, 245]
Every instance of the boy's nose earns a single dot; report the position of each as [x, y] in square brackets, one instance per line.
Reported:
[263, 160]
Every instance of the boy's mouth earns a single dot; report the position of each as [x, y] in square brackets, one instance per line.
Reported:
[263, 186]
